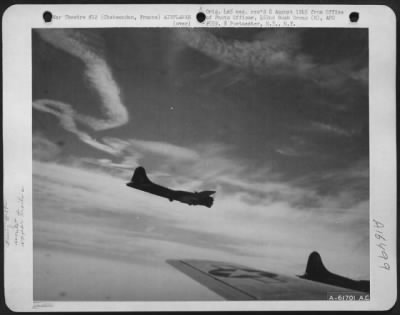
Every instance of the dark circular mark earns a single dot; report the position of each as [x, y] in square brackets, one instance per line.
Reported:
[354, 16]
[201, 17]
[62, 293]
[47, 16]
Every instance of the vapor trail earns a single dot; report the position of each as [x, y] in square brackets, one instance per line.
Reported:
[97, 72]
[65, 113]
[86, 47]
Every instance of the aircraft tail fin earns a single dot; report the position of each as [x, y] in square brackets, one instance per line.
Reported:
[139, 176]
[315, 266]
[316, 271]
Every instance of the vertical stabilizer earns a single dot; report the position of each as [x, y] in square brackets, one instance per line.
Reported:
[315, 267]
[139, 176]
[316, 271]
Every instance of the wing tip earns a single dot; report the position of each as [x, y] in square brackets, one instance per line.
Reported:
[171, 261]
[175, 262]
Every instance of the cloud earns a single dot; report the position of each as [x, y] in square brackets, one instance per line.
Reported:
[163, 149]
[65, 113]
[290, 151]
[211, 166]
[330, 128]
[80, 44]
[348, 185]
[97, 72]
[307, 134]
[43, 149]
[133, 151]
[271, 53]
[297, 146]
[107, 163]
[361, 75]
[91, 203]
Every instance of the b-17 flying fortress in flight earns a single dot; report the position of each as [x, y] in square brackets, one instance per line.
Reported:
[140, 181]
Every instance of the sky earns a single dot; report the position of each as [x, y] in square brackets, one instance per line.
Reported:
[274, 120]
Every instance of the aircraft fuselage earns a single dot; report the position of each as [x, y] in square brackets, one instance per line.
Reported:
[141, 182]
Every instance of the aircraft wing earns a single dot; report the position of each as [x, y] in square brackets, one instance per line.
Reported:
[237, 282]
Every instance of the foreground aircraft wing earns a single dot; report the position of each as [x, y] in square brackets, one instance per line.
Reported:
[237, 282]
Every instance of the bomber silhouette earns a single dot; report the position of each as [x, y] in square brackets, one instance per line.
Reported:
[140, 181]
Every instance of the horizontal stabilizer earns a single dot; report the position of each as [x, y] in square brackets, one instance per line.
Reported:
[208, 192]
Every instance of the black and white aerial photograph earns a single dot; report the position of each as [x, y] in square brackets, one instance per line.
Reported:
[200, 164]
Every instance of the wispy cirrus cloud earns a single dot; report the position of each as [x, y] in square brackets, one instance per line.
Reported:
[108, 163]
[272, 52]
[290, 151]
[331, 128]
[163, 149]
[79, 44]
[133, 151]
[99, 75]
[43, 149]
[65, 113]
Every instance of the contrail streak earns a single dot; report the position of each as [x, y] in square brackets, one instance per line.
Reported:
[80, 45]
